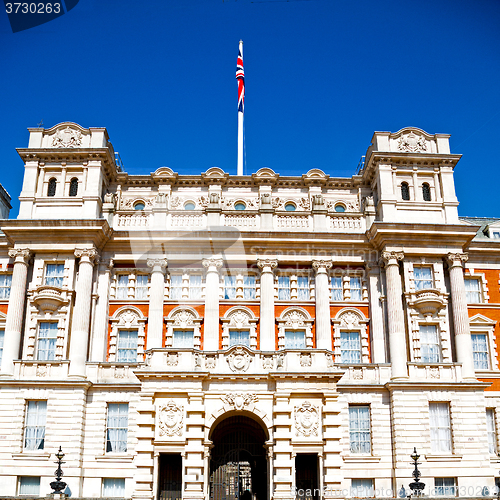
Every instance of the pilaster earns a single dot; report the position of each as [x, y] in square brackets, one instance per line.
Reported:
[267, 336]
[323, 323]
[156, 295]
[283, 465]
[211, 338]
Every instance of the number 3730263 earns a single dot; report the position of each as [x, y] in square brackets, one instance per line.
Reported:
[33, 8]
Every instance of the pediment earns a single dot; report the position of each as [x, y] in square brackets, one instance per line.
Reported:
[480, 320]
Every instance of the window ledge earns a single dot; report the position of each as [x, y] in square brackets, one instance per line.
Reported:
[443, 458]
[361, 458]
[115, 457]
[31, 455]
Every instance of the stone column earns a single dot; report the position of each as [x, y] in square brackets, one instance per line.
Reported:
[463, 341]
[267, 336]
[15, 312]
[323, 323]
[156, 295]
[81, 313]
[211, 335]
[395, 315]
[376, 313]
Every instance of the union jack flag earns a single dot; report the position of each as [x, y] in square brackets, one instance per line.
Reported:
[240, 76]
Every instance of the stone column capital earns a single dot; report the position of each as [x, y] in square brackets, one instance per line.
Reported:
[457, 259]
[90, 255]
[21, 255]
[213, 264]
[321, 266]
[158, 265]
[391, 258]
[267, 265]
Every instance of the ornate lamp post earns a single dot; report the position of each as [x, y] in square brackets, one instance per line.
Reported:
[58, 485]
[417, 486]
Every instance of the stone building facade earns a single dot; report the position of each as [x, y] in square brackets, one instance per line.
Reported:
[219, 336]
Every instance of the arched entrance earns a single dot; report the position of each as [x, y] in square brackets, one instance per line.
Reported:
[238, 465]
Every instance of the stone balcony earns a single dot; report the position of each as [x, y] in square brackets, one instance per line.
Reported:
[56, 369]
[50, 298]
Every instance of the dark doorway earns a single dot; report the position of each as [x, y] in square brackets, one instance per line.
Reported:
[238, 466]
[306, 476]
[170, 477]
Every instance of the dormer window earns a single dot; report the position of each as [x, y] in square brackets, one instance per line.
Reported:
[139, 206]
[290, 207]
[73, 187]
[339, 208]
[240, 206]
[426, 191]
[405, 191]
[51, 189]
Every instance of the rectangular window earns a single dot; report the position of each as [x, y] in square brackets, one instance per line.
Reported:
[480, 351]
[423, 277]
[249, 287]
[229, 287]
[283, 287]
[355, 286]
[241, 337]
[122, 286]
[2, 336]
[29, 485]
[195, 286]
[445, 486]
[430, 349]
[359, 429]
[126, 350]
[117, 428]
[5, 284]
[440, 424]
[303, 291]
[46, 342]
[183, 338]
[350, 347]
[113, 487]
[141, 286]
[492, 430]
[362, 488]
[472, 290]
[295, 339]
[34, 427]
[337, 293]
[175, 286]
[54, 274]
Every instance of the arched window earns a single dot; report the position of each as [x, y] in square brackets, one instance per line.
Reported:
[73, 187]
[426, 191]
[405, 191]
[51, 190]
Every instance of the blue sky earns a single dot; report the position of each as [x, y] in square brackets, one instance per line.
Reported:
[321, 77]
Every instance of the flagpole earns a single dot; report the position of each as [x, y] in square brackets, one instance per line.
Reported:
[240, 129]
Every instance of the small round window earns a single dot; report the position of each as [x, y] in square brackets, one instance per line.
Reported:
[189, 206]
[240, 206]
[290, 207]
[139, 206]
[339, 208]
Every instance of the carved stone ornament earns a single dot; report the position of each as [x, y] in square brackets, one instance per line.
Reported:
[86, 253]
[457, 259]
[295, 319]
[321, 265]
[305, 203]
[171, 359]
[305, 360]
[157, 265]
[128, 319]
[110, 198]
[318, 201]
[41, 371]
[203, 201]
[67, 138]
[268, 362]
[212, 264]
[20, 255]
[306, 420]
[240, 400]
[210, 362]
[265, 200]
[170, 419]
[239, 319]
[214, 198]
[183, 319]
[357, 374]
[128, 203]
[239, 359]
[412, 143]
[349, 320]
[175, 202]
[391, 258]
[267, 265]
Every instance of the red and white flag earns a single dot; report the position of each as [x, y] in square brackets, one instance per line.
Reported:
[240, 76]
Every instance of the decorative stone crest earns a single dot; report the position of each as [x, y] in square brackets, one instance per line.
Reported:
[349, 320]
[119, 372]
[305, 360]
[306, 420]
[171, 359]
[357, 374]
[265, 200]
[210, 362]
[67, 138]
[280, 361]
[128, 318]
[305, 203]
[329, 361]
[434, 372]
[41, 371]
[170, 419]
[239, 319]
[183, 318]
[268, 362]
[175, 202]
[240, 400]
[239, 359]
[295, 319]
[412, 143]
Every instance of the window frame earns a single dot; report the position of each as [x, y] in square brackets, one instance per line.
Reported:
[491, 428]
[39, 414]
[123, 348]
[350, 319]
[419, 282]
[127, 317]
[236, 333]
[427, 346]
[294, 318]
[478, 292]
[5, 287]
[51, 341]
[176, 338]
[438, 429]
[73, 191]
[113, 494]
[124, 428]
[20, 486]
[345, 351]
[444, 488]
[183, 318]
[239, 318]
[486, 351]
[57, 278]
[360, 431]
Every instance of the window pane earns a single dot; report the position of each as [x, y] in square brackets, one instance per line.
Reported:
[445, 486]
[423, 278]
[5, 284]
[439, 414]
[430, 349]
[29, 485]
[113, 487]
[283, 287]
[249, 287]
[46, 342]
[176, 286]
[362, 488]
[303, 288]
[229, 287]
[122, 287]
[117, 427]
[350, 347]
[359, 429]
[355, 285]
[195, 286]
[337, 289]
[54, 274]
[34, 429]
[141, 286]
[472, 291]
[480, 351]
[239, 337]
[295, 339]
[127, 346]
[492, 434]
[183, 338]
[2, 336]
